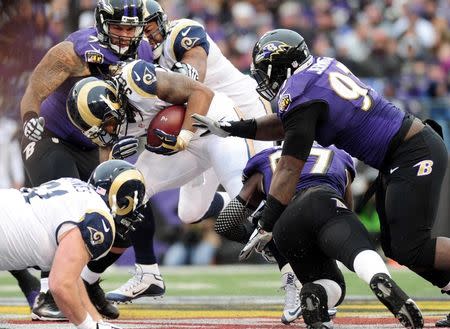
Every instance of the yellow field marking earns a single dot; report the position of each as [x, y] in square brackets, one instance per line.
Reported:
[149, 311]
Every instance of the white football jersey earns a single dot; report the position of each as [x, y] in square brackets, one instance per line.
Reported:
[138, 79]
[32, 221]
[221, 74]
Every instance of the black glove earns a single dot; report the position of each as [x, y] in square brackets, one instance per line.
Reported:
[125, 147]
[185, 69]
[33, 126]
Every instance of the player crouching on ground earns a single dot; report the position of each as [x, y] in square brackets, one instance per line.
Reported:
[62, 224]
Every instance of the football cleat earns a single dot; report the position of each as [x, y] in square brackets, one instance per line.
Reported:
[292, 309]
[444, 323]
[396, 300]
[97, 297]
[45, 309]
[313, 302]
[141, 284]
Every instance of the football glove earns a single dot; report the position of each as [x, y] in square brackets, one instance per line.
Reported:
[125, 147]
[268, 255]
[219, 128]
[257, 241]
[185, 69]
[171, 144]
[33, 127]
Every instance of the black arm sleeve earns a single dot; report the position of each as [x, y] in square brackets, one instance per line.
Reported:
[242, 128]
[300, 128]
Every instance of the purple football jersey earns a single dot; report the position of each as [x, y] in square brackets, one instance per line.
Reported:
[324, 166]
[99, 57]
[359, 120]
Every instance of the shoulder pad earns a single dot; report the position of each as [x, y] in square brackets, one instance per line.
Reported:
[138, 78]
[185, 35]
[98, 231]
[89, 49]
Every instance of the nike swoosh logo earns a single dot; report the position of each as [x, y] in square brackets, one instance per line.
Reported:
[393, 169]
[294, 312]
[138, 78]
[106, 229]
[137, 292]
[184, 33]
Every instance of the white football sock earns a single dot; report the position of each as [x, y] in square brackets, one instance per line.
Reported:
[89, 276]
[152, 268]
[368, 263]
[44, 285]
[333, 290]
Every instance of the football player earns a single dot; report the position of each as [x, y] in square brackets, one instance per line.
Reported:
[62, 224]
[184, 46]
[317, 228]
[145, 89]
[52, 147]
[319, 98]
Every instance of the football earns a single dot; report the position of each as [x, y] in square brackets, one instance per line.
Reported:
[169, 119]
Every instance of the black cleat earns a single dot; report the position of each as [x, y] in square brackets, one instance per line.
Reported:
[45, 309]
[397, 301]
[97, 297]
[444, 323]
[314, 304]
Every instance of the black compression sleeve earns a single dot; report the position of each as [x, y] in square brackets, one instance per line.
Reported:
[242, 128]
[300, 128]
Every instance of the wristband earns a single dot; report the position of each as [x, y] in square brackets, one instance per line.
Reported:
[29, 115]
[272, 212]
[88, 323]
[242, 128]
[185, 137]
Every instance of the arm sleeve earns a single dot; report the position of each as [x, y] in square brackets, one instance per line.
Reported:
[232, 222]
[300, 128]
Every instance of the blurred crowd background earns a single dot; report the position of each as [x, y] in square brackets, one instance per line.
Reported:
[401, 48]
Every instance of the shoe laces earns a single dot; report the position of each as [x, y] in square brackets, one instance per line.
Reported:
[135, 280]
[292, 297]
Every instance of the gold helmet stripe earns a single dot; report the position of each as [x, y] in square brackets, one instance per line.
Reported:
[122, 178]
[82, 102]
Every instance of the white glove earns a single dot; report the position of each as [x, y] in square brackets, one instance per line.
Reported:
[218, 128]
[185, 69]
[125, 147]
[33, 128]
[257, 241]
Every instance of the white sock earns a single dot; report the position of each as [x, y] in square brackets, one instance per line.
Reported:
[89, 276]
[226, 198]
[446, 288]
[333, 290]
[368, 263]
[44, 285]
[153, 268]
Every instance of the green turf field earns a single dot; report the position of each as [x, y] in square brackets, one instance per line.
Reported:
[237, 280]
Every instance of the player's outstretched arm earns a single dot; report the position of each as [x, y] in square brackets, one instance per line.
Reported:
[268, 127]
[59, 63]
[70, 258]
